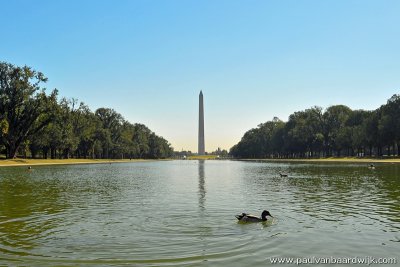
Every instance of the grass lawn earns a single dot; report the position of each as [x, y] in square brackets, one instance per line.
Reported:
[342, 159]
[202, 157]
[28, 162]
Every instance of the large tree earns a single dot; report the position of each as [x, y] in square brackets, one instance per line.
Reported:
[337, 131]
[24, 105]
[112, 126]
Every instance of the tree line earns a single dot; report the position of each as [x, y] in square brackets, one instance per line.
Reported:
[36, 124]
[337, 131]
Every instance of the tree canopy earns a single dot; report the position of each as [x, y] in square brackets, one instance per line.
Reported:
[335, 131]
[38, 124]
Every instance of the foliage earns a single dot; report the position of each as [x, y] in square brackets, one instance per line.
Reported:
[337, 131]
[24, 105]
[32, 121]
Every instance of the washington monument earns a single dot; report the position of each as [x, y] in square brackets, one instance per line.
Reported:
[201, 150]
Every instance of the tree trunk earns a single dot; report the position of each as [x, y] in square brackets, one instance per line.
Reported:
[398, 149]
[33, 153]
[12, 149]
[44, 151]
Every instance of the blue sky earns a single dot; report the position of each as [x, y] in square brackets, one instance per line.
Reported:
[253, 59]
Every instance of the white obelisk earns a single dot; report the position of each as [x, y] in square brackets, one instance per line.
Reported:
[201, 150]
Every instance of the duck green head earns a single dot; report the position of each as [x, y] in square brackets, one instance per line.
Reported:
[264, 215]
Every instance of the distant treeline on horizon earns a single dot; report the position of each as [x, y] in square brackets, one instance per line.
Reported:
[36, 124]
[337, 131]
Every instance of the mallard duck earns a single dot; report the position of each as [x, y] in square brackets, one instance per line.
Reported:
[244, 217]
[283, 174]
[371, 166]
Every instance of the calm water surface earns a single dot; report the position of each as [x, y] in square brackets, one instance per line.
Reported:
[181, 213]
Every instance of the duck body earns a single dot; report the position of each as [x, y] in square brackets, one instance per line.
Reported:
[282, 174]
[371, 167]
[244, 217]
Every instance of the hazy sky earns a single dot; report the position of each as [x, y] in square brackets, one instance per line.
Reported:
[253, 60]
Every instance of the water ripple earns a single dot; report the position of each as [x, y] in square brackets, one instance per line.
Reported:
[182, 213]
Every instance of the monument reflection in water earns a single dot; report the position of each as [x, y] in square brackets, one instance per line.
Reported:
[202, 189]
